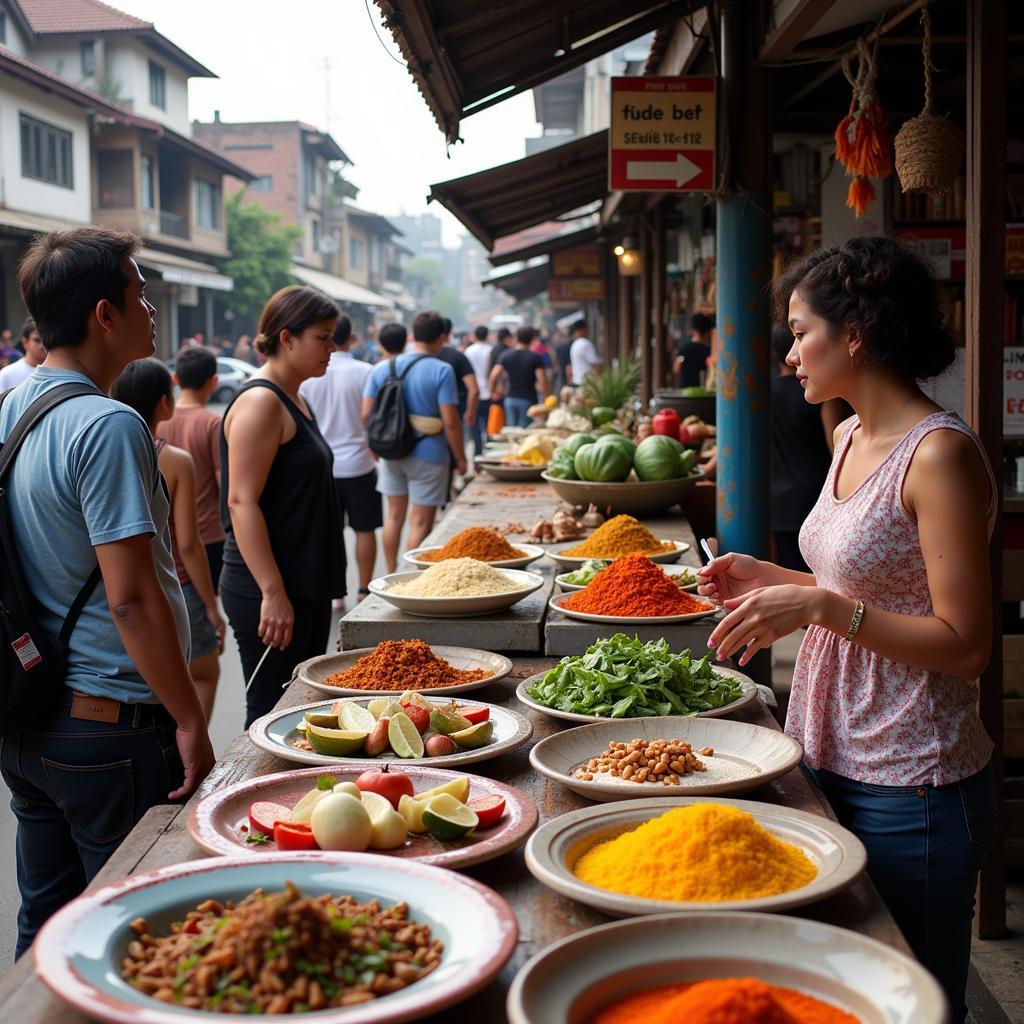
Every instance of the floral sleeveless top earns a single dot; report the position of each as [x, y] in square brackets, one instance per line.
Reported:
[856, 713]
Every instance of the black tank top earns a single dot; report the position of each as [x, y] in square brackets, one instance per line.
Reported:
[300, 506]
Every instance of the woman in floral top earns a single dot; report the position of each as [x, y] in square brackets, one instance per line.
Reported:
[884, 696]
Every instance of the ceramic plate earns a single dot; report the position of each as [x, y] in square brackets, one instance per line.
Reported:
[574, 978]
[669, 570]
[79, 950]
[457, 607]
[747, 685]
[505, 471]
[316, 671]
[568, 562]
[530, 551]
[553, 849]
[557, 602]
[276, 732]
[745, 756]
[216, 823]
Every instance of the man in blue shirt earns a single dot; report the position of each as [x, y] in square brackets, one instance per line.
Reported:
[85, 489]
[417, 485]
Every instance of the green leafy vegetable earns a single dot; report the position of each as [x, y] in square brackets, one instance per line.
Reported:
[587, 571]
[621, 677]
[326, 782]
[257, 838]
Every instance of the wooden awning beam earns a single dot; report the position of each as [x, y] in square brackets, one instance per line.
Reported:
[783, 38]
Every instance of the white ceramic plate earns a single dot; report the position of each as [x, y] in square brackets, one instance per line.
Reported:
[669, 570]
[531, 552]
[572, 979]
[557, 602]
[317, 670]
[78, 953]
[556, 846]
[508, 472]
[747, 685]
[568, 562]
[456, 607]
[276, 732]
[745, 756]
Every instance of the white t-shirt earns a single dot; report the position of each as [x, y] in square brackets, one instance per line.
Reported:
[479, 356]
[11, 376]
[336, 399]
[583, 358]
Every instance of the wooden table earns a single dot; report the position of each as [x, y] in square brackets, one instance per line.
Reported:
[161, 838]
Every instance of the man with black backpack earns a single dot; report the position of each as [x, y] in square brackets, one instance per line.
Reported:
[104, 722]
[410, 405]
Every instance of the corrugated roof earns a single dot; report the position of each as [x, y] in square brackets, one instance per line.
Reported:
[522, 284]
[465, 55]
[555, 243]
[516, 195]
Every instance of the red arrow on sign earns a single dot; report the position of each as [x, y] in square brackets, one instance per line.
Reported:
[679, 169]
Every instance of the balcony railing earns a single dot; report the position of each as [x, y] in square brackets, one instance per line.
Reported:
[173, 224]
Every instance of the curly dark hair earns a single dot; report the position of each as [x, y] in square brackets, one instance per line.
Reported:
[885, 295]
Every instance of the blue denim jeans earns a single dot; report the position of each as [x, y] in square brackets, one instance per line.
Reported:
[515, 411]
[77, 789]
[925, 847]
[479, 428]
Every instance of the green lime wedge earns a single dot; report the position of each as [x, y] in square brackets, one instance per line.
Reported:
[447, 820]
[321, 720]
[446, 723]
[356, 718]
[335, 742]
[403, 736]
[475, 736]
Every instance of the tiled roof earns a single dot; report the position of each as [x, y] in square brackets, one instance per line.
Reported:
[46, 16]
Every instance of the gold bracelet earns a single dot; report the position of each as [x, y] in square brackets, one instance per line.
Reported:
[858, 617]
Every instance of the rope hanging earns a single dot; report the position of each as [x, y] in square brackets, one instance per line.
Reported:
[863, 145]
[929, 148]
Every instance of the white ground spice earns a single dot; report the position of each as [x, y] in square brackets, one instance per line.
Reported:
[457, 577]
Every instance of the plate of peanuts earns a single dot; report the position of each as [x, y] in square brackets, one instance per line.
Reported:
[630, 758]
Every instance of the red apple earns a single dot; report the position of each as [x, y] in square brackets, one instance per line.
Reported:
[390, 785]
[475, 715]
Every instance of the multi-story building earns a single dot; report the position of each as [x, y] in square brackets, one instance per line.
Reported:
[94, 128]
[296, 170]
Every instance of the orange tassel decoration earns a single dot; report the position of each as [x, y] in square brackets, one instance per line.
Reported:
[863, 145]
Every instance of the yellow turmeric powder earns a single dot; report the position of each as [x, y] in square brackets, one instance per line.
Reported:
[702, 853]
[621, 535]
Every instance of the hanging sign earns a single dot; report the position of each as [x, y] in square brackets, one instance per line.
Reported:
[662, 136]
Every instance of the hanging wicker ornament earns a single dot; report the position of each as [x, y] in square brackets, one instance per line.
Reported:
[929, 148]
[863, 145]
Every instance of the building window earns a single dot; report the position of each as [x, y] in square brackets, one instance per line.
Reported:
[157, 86]
[87, 55]
[310, 174]
[147, 183]
[264, 183]
[46, 152]
[375, 256]
[114, 173]
[207, 204]
[355, 253]
[316, 235]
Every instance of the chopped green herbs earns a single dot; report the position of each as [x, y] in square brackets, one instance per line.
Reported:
[587, 571]
[623, 678]
[257, 838]
[326, 782]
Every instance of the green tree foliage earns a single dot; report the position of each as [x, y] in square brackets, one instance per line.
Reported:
[427, 269]
[447, 302]
[261, 255]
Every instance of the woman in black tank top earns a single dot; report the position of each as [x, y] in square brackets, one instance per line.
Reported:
[284, 556]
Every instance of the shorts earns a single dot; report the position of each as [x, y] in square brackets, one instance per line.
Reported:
[359, 500]
[425, 483]
[204, 637]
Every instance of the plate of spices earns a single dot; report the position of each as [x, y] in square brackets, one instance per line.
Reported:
[620, 535]
[406, 728]
[456, 588]
[651, 757]
[684, 576]
[247, 818]
[395, 666]
[668, 968]
[479, 542]
[649, 856]
[633, 591]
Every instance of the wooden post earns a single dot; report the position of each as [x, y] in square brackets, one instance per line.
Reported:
[625, 315]
[658, 295]
[644, 339]
[986, 231]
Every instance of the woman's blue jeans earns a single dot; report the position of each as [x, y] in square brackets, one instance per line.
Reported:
[516, 412]
[925, 847]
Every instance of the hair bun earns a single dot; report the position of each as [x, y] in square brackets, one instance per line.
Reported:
[261, 343]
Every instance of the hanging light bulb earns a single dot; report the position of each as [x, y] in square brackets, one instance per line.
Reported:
[630, 258]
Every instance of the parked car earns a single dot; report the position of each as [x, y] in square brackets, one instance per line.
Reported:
[231, 375]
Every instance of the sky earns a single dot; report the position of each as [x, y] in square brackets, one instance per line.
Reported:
[320, 61]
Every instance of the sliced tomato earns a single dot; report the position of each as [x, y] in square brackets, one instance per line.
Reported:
[294, 835]
[475, 715]
[489, 809]
[264, 813]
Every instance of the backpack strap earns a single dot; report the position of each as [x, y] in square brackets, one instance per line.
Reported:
[9, 449]
[408, 366]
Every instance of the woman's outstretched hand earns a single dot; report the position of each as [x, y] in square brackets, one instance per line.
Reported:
[731, 575]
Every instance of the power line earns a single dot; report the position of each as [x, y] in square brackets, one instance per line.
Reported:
[384, 47]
